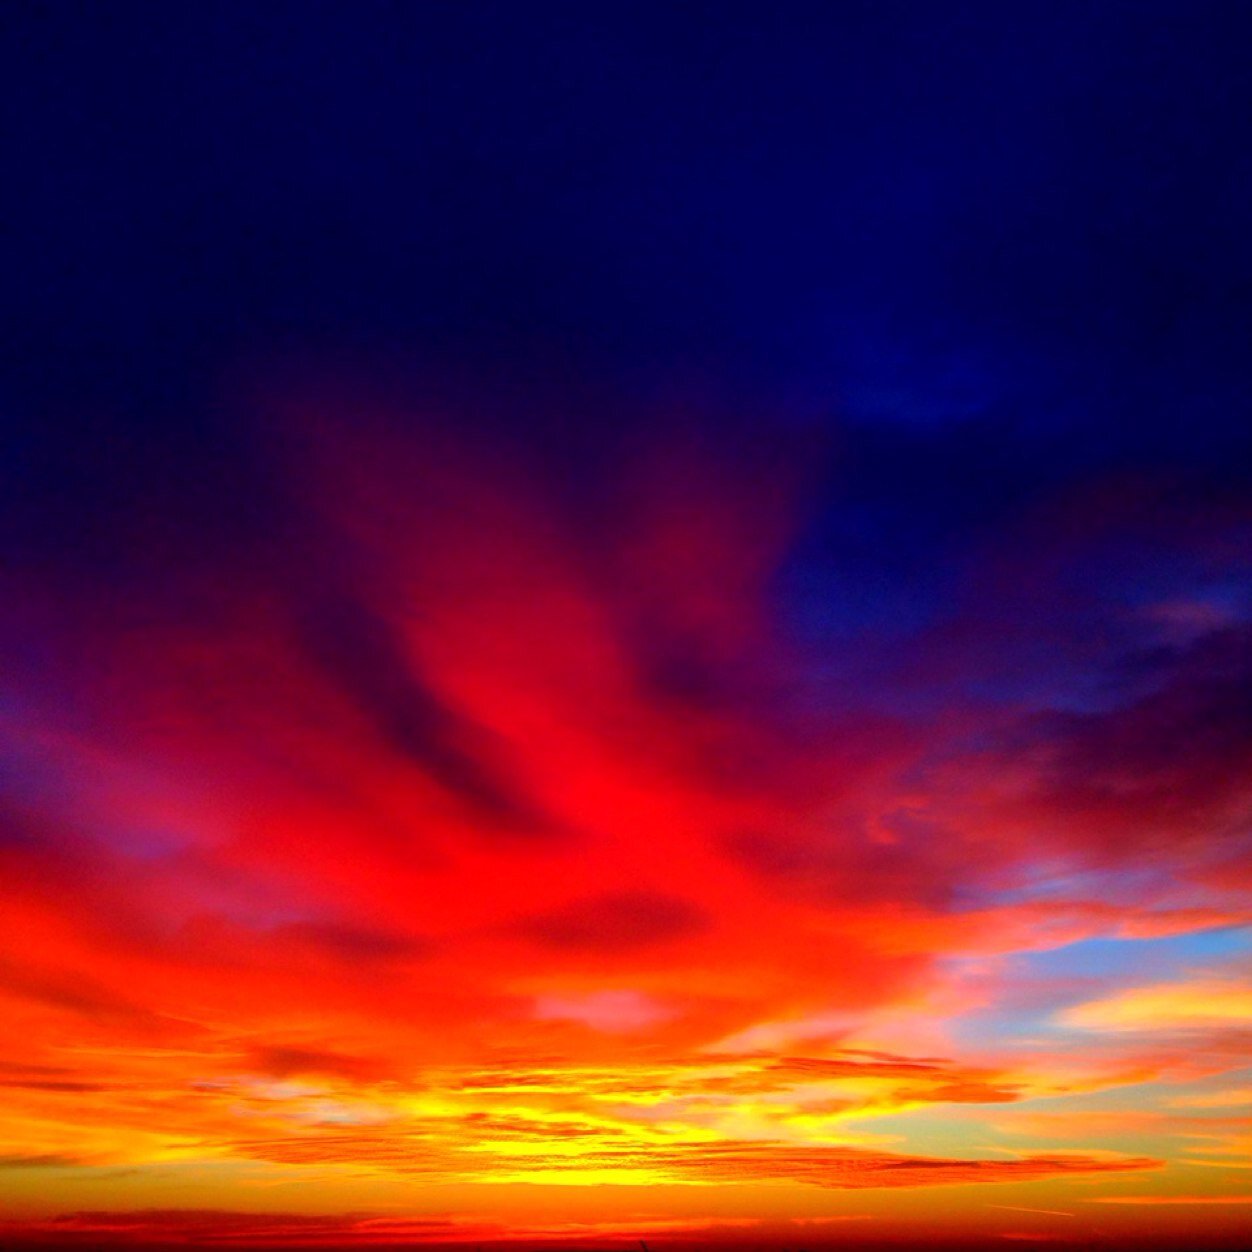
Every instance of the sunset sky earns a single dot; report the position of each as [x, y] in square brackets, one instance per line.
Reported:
[626, 623]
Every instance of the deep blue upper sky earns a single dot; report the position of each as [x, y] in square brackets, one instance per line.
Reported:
[999, 247]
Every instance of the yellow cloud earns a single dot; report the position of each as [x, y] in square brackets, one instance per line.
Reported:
[1167, 1006]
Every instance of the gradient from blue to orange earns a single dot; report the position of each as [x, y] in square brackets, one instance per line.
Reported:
[627, 625]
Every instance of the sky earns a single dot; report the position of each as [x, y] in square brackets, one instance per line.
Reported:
[626, 623]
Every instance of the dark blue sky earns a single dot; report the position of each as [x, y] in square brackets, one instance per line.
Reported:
[994, 250]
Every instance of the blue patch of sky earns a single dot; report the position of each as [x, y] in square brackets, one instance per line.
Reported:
[1037, 985]
[929, 375]
[859, 593]
[1143, 960]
